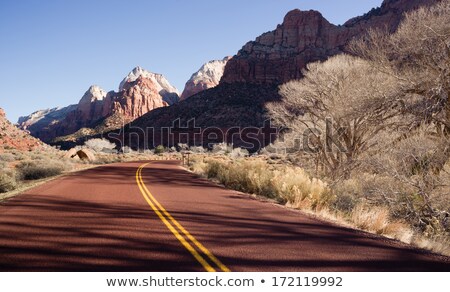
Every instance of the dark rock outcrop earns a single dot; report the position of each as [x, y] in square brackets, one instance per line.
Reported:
[278, 56]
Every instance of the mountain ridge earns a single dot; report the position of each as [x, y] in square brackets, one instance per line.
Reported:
[139, 92]
[252, 76]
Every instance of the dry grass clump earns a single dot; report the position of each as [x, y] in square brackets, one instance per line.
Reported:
[360, 201]
[374, 219]
[31, 165]
[284, 184]
[240, 175]
[8, 181]
[439, 244]
[19, 167]
[38, 169]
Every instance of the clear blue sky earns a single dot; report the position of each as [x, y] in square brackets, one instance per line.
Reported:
[52, 51]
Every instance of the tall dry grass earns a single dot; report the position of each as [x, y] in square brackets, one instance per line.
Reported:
[38, 169]
[284, 184]
[295, 188]
[8, 181]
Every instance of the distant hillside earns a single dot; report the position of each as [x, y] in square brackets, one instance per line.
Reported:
[139, 92]
[12, 137]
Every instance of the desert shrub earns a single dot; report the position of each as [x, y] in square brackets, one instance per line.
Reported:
[197, 149]
[297, 188]
[98, 145]
[126, 150]
[418, 55]
[212, 169]
[286, 185]
[268, 150]
[182, 146]
[239, 153]
[148, 152]
[221, 149]
[198, 165]
[8, 180]
[371, 218]
[348, 193]
[7, 157]
[21, 156]
[32, 170]
[159, 149]
[248, 176]
[412, 178]
[377, 219]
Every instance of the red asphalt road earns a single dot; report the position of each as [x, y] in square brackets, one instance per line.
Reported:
[98, 220]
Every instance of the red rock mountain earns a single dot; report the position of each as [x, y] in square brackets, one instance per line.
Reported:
[135, 99]
[208, 76]
[140, 92]
[13, 137]
[306, 36]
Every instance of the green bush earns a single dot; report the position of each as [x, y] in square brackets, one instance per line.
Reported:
[31, 170]
[8, 180]
[159, 149]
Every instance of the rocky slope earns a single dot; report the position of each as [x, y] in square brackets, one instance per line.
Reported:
[12, 137]
[306, 36]
[215, 109]
[208, 76]
[140, 92]
[42, 119]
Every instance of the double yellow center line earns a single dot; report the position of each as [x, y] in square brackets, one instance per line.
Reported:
[198, 251]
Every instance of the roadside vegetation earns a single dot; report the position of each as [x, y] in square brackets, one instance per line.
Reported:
[25, 168]
[375, 127]
[376, 132]
[350, 202]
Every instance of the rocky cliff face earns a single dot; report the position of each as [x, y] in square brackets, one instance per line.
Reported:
[280, 55]
[388, 15]
[168, 92]
[140, 92]
[90, 105]
[208, 76]
[43, 118]
[13, 137]
[306, 36]
[136, 98]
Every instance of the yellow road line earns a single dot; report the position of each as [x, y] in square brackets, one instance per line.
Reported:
[165, 217]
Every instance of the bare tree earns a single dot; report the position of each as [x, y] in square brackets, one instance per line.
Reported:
[342, 104]
[418, 168]
[418, 57]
